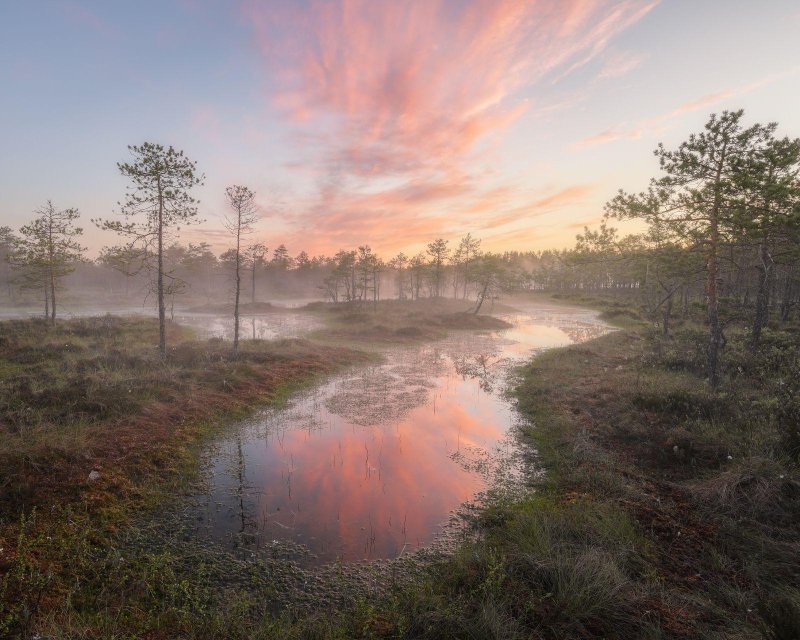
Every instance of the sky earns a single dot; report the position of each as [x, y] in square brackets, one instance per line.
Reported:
[380, 122]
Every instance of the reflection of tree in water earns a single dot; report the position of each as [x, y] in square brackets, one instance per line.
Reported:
[485, 369]
[240, 490]
[381, 394]
[385, 393]
[305, 412]
[583, 332]
[503, 466]
[471, 458]
[240, 477]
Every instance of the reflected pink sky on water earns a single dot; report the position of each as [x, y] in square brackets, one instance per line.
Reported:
[372, 463]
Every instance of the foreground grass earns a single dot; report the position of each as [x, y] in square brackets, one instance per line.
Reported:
[667, 511]
[92, 395]
[94, 425]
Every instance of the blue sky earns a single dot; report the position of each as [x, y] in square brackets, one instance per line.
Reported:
[380, 122]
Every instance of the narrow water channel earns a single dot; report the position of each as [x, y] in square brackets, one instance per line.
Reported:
[371, 463]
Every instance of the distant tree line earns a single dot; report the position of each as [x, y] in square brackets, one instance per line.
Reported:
[722, 230]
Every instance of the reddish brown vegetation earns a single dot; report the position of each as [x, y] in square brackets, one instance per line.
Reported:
[137, 418]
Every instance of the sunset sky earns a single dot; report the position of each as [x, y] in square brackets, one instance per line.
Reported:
[386, 122]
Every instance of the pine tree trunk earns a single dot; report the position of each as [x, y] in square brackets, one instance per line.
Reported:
[52, 296]
[162, 312]
[786, 301]
[685, 302]
[253, 291]
[712, 267]
[238, 287]
[51, 272]
[481, 298]
[761, 316]
[667, 312]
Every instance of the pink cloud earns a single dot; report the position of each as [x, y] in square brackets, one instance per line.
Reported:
[609, 135]
[401, 85]
[615, 20]
[702, 102]
[588, 222]
[413, 94]
[399, 217]
[411, 214]
[539, 206]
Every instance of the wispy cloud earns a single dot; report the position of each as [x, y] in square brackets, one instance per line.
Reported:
[406, 96]
[620, 64]
[701, 103]
[610, 135]
[651, 126]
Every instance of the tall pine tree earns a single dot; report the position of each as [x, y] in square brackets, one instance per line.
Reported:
[157, 204]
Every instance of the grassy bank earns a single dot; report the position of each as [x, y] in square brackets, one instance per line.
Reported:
[94, 426]
[97, 430]
[390, 322]
[92, 395]
[667, 510]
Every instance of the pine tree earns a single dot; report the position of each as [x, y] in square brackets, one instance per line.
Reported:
[255, 255]
[6, 252]
[463, 258]
[157, 203]
[47, 250]
[438, 251]
[697, 198]
[770, 211]
[242, 202]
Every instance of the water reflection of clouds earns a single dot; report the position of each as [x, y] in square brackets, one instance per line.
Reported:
[486, 370]
[372, 462]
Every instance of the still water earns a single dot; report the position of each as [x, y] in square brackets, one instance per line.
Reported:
[271, 326]
[371, 463]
